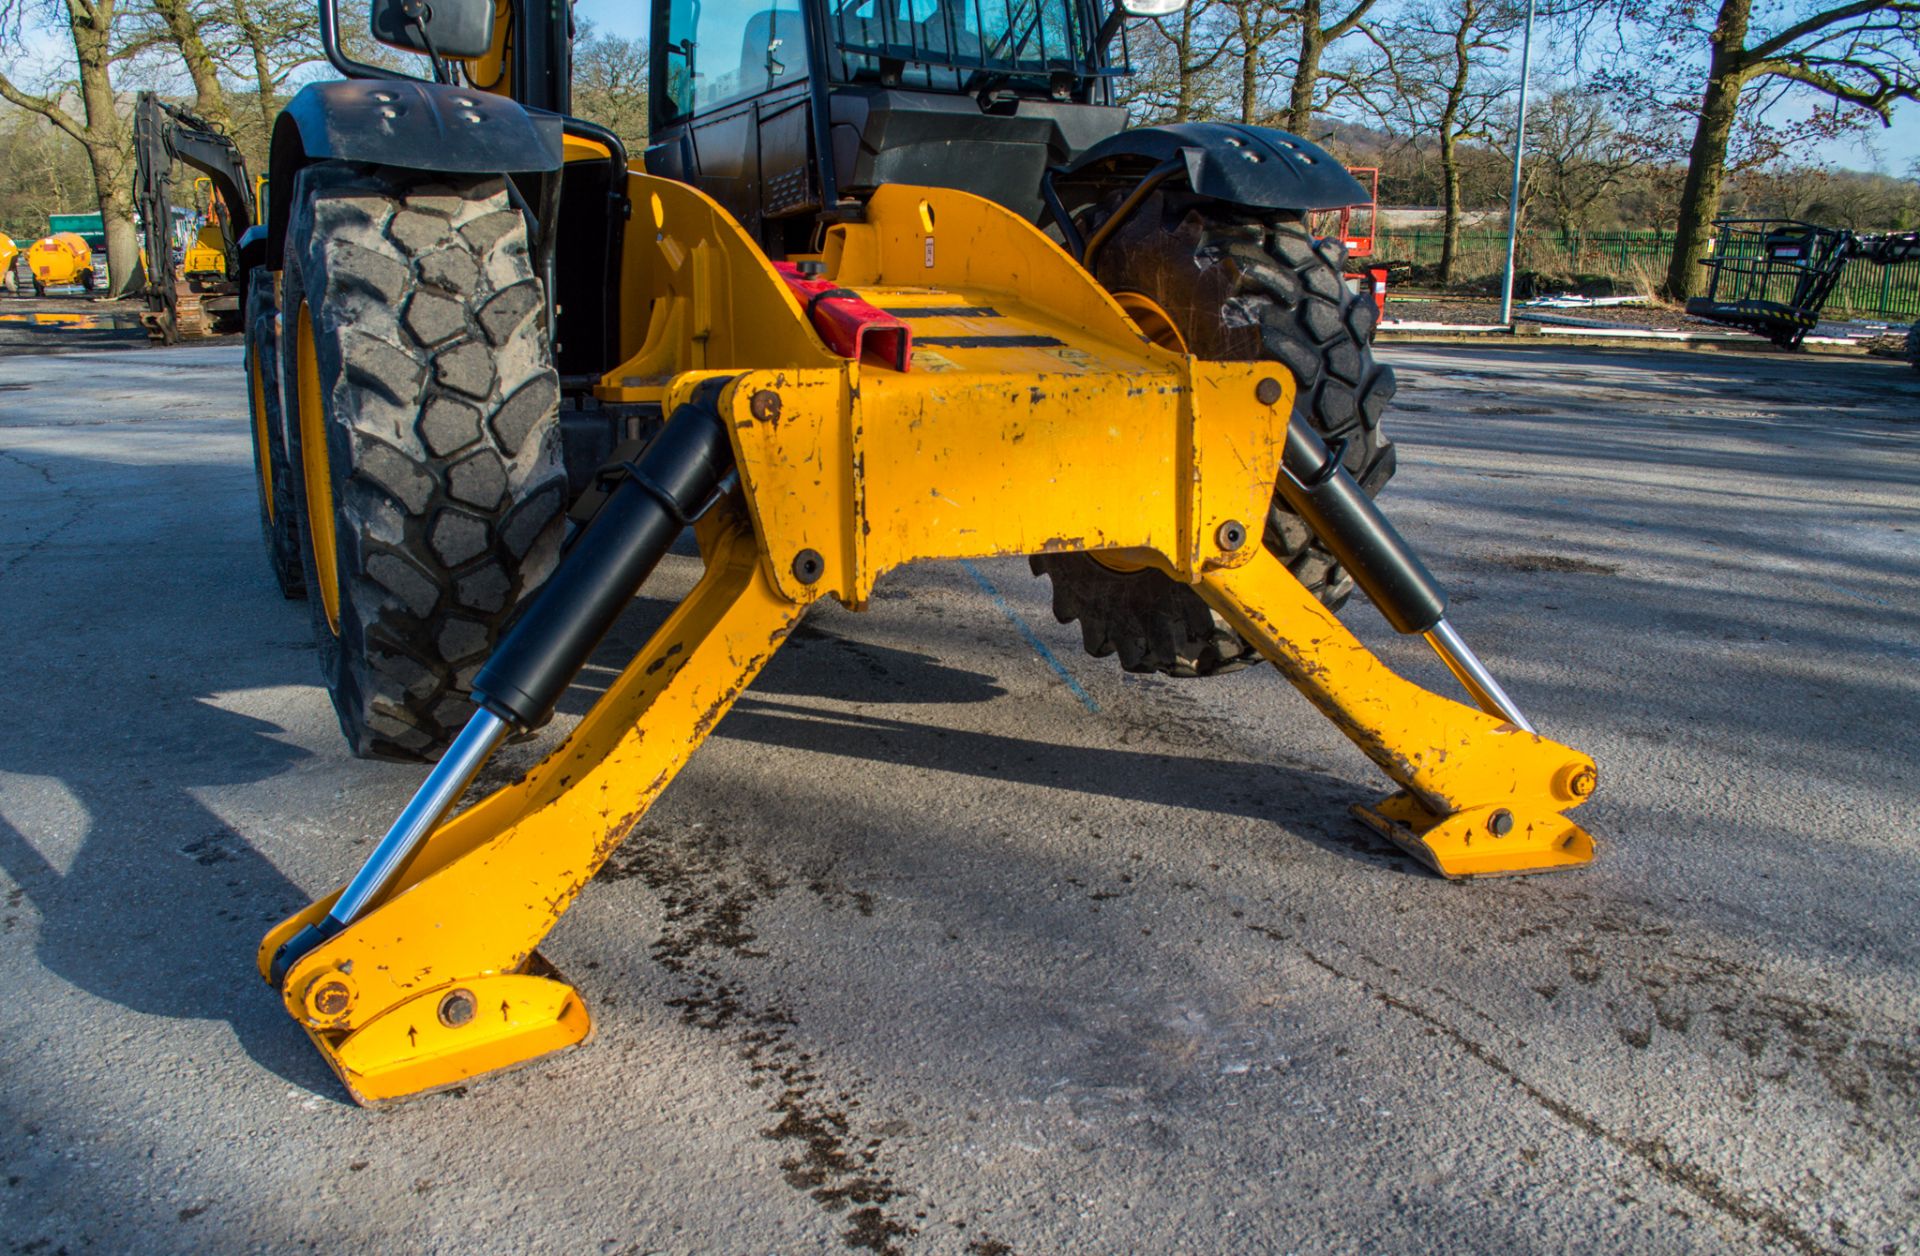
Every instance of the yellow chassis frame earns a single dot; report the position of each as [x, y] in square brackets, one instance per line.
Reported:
[1037, 417]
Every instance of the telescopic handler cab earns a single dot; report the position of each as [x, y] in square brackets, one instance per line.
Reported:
[894, 281]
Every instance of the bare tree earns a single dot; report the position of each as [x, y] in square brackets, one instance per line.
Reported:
[1438, 82]
[1318, 30]
[100, 130]
[181, 24]
[610, 84]
[42, 170]
[1576, 154]
[269, 40]
[1859, 57]
[1178, 60]
[1255, 23]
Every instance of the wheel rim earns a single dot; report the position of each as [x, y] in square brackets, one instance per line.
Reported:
[317, 472]
[1152, 320]
[263, 465]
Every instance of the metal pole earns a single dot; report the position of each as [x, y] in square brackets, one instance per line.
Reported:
[1519, 147]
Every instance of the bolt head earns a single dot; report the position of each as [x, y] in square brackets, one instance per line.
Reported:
[1500, 823]
[1231, 535]
[808, 566]
[457, 1008]
[332, 998]
[1268, 391]
[1584, 782]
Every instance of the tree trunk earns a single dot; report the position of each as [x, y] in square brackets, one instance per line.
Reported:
[1306, 71]
[183, 28]
[262, 66]
[1707, 163]
[1249, 70]
[1450, 200]
[105, 141]
[1183, 104]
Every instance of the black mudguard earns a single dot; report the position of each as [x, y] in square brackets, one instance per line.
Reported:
[252, 247]
[1255, 166]
[406, 124]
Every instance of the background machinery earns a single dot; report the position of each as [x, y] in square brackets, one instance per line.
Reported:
[894, 282]
[1772, 276]
[192, 291]
[1356, 227]
[61, 258]
[9, 255]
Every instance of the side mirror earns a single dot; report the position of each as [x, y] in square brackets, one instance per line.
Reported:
[1151, 8]
[451, 28]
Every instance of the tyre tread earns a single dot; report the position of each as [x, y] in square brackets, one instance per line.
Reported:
[416, 384]
[1241, 287]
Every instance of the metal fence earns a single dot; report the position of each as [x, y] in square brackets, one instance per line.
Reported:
[1864, 290]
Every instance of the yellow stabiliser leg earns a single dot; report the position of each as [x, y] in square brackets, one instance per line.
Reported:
[441, 982]
[1478, 796]
[1045, 420]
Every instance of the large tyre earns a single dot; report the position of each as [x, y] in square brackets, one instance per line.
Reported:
[272, 474]
[424, 437]
[1235, 286]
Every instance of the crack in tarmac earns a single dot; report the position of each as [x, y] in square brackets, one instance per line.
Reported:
[66, 492]
[1655, 1153]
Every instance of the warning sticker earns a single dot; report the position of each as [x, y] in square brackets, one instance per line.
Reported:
[1072, 357]
[928, 360]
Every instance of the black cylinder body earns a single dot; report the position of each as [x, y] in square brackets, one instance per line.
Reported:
[671, 480]
[1331, 501]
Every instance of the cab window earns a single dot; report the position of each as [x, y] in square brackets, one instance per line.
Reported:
[715, 52]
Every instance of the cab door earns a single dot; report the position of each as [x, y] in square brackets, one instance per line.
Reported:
[729, 105]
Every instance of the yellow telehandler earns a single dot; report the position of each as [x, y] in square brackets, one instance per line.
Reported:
[893, 282]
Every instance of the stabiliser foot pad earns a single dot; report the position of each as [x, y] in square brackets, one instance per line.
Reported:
[1499, 840]
[445, 1036]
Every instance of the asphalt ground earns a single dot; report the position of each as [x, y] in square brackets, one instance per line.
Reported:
[931, 950]
[71, 321]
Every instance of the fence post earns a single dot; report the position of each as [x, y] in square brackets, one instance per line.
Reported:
[1886, 290]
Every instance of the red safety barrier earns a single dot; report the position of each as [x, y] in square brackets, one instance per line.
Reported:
[851, 327]
[1372, 282]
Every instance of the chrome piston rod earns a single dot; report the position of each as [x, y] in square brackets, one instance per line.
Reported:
[430, 802]
[1473, 674]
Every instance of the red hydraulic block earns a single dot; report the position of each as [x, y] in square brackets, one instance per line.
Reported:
[851, 327]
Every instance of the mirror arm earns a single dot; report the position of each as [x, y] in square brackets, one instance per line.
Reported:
[330, 44]
[416, 13]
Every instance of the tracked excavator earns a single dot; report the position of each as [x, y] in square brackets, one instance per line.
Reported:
[893, 281]
[192, 292]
